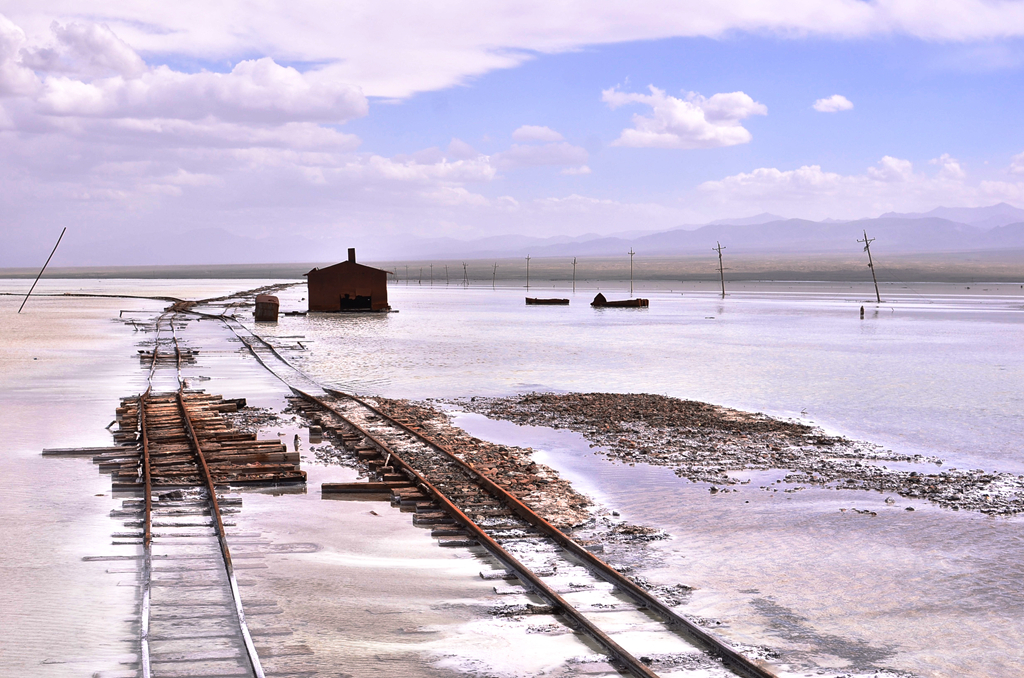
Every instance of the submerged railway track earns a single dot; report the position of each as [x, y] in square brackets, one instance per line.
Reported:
[175, 449]
[178, 453]
[466, 504]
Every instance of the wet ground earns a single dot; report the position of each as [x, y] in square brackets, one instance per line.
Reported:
[833, 580]
[703, 442]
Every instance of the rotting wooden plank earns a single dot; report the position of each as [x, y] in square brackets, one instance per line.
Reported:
[85, 451]
[355, 488]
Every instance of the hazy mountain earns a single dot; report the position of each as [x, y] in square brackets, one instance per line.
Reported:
[762, 218]
[982, 217]
[906, 233]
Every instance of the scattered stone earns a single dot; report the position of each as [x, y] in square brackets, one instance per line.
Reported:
[712, 444]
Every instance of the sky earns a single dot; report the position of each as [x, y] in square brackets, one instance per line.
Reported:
[383, 119]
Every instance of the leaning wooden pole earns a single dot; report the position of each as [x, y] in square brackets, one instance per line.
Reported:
[871, 264]
[721, 269]
[41, 270]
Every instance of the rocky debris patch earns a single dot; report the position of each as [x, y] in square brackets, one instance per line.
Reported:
[713, 444]
[334, 455]
[538, 486]
[252, 419]
[973, 490]
[759, 652]
[618, 542]
[691, 661]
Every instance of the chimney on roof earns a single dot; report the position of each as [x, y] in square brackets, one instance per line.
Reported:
[352, 254]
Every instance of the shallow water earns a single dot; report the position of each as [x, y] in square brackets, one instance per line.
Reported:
[364, 590]
[935, 370]
[931, 591]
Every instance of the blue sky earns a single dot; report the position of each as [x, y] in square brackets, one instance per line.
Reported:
[315, 120]
[912, 99]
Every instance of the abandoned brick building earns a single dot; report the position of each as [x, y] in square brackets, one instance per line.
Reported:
[347, 286]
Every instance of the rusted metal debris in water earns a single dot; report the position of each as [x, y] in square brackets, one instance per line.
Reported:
[601, 302]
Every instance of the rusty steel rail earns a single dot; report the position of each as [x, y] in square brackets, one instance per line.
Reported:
[147, 539]
[732, 658]
[147, 533]
[710, 643]
[560, 605]
[250, 648]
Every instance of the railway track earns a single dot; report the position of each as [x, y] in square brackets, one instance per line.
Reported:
[465, 506]
[180, 454]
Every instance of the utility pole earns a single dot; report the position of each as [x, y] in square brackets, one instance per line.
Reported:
[431, 275]
[406, 275]
[631, 253]
[721, 269]
[465, 275]
[867, 248]
[446, 275]
[527, 271]
[421, 275]
[494, 274]
[43, 269]
[574, 275]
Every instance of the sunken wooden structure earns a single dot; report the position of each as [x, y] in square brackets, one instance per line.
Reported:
[234, 457]
[601, 302]
[267, 306]
[347, 287]
[534, 301]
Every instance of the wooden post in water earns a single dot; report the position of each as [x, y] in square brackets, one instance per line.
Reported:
[431, 275]
[574, 275]
[446, 275]
[494, 274]
[465, 275]
[721, 269]
[867, 248]
[527, 271]
[41, 270]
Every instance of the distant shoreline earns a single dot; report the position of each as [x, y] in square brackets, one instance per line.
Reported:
[958, 267]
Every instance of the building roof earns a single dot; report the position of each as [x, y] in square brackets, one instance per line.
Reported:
[344, 263]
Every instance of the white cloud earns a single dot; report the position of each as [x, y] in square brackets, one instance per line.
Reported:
[460, 150]
[949, 168]
[393, 49]
[560, 153]
[582, 169]
[891, 185]
[254, 91]
[833, 104]
[88, 71]
[85, 49]
[1017, 164]
[536, 133]
[890, 169]
[15, 78]
[694, 122]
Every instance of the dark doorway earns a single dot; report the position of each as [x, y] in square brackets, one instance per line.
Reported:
[356, 303]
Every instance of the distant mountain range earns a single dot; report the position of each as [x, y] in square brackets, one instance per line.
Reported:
[998, 227]
[944, 229]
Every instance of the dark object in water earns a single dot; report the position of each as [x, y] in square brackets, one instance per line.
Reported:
[347, 287]
[600, 302]
[266, 308]
[294, 313]
[531, 301]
